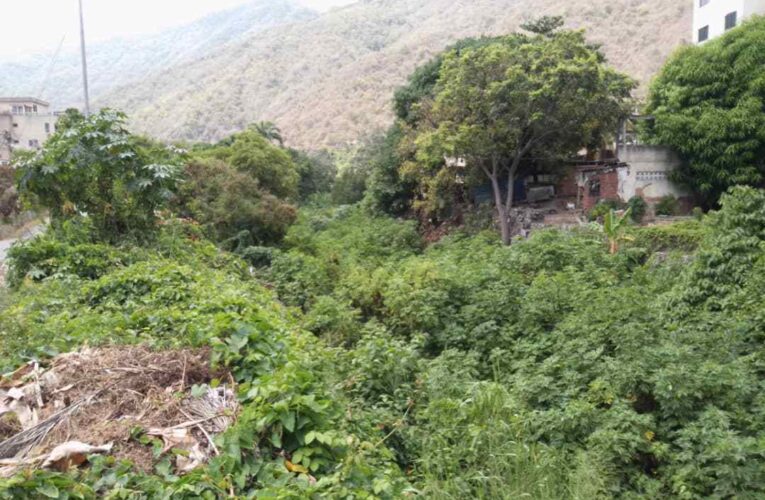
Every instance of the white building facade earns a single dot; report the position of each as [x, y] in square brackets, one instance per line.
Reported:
[25, 123]
[712, 18]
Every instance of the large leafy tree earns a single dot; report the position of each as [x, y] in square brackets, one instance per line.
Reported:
[229, 203]
[709, 104]
[93, 166]
[518, 100]
[251, 153]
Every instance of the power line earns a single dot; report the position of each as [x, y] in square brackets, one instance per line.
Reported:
[44, 83]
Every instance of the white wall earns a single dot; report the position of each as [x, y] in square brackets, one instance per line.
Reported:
[753, 7]
[24, 128]
[713, 14]
[647, 173]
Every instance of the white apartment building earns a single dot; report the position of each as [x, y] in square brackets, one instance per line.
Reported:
[712, 18]
[25, 123]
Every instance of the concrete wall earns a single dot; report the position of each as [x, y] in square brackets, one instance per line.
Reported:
[754, 7]
[25, 132]
[32, 128]
[6, 123]
[713, 14]
[647, 173]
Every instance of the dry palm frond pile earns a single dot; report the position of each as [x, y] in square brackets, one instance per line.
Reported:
[93, 400]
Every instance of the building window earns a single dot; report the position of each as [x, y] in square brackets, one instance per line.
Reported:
[47, 128]
[730, 21]
[34, 143]
[704, 34]
[703, 2]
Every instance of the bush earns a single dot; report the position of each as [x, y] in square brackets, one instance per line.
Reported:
[667, 206]
[638, 208]
[93, 165]
[603, 207]
[228, 202]
[291, 405]
[684, 236]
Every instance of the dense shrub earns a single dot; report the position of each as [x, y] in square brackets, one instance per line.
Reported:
[638, 207]
[552, 368]
[93, 165]
[668, 205]
[684, 236]
[291, 406]
[228, 202]
[549, 369]
[603, 207]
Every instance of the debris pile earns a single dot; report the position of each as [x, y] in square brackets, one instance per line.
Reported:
[116, 401]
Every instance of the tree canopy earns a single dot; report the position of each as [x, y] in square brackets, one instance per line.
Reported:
[708, 103]
[516, 101]
[251, 153]
[93, 165]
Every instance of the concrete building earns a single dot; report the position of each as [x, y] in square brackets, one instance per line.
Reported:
[712, 18]
[640, 170]
[25, 123]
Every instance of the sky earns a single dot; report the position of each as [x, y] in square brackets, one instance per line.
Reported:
[32, 26]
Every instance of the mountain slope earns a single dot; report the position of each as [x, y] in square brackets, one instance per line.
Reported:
[128, 61]
[328, 80]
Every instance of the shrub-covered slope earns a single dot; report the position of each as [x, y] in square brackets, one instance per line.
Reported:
[467, 369]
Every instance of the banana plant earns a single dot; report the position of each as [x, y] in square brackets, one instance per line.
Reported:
[614, 227]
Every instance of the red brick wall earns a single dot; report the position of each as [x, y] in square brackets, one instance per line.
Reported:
[609, 189]
[567, 187]
[609, 185]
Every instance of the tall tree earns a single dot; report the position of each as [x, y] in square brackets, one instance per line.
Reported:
[708, 103]
[516, 100]
[92, 166]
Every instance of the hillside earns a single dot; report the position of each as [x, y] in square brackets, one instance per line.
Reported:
[330, 79]
[127, 61]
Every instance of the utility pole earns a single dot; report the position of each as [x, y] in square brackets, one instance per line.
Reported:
[84, 63]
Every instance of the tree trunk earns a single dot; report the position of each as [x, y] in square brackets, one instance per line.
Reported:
[504, 225]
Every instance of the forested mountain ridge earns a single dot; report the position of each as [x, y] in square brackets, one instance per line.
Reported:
[327, 80]
[127, 61]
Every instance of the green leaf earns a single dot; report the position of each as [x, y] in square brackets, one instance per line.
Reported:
[48, 490]
[289, 421]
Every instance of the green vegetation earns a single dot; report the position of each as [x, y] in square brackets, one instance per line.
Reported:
[708, 104]
[201, 81]
[667, 206]
[178, 292]
[608, 361]
[503, 105]
[94, 166]
[614, 377]
[382, 367]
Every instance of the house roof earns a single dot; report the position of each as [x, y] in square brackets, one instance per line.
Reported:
[24, 99]
[599, 165]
